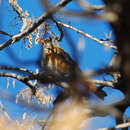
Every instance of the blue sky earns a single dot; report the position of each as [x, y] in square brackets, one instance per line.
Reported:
[93, 56]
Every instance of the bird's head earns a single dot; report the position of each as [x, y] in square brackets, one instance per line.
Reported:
[49, 43]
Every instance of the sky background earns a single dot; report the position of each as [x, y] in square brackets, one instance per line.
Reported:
[93, 56]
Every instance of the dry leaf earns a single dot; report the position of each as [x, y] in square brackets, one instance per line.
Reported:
[26, 12]
[7, 82]
[37, 35]
[13, 83]
[30, 40]
[53, 85]
[24, 115]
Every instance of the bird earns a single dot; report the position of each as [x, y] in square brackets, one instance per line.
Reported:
[58, 62]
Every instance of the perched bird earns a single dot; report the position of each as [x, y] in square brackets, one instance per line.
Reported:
[59, 63]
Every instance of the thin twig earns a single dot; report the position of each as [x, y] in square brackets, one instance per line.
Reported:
[59, 28]
[108, 16]
[86, 6]
[119, 126]
[104, 83]
[47, 120]
[37, 23]
[106, 70]
[123, 125]
[46, 4]
[88, 35]
[111, 109]
[5, 33]
[102, 111]
[4, 111]
[17, 9]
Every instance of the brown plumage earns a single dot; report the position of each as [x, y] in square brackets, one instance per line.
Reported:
[57, 61]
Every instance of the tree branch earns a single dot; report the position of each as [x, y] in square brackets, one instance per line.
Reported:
[88, 35]
[20, 78]
[59, 28]
[17, 9]
[32, 27]
[87, 7]
[17, 69]
[5, 33]
[104, 83]
[119, 126]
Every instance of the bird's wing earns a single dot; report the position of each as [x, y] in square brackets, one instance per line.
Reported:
[64, 55]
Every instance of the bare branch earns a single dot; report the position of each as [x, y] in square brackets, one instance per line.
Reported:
[119, 126]
[4, 111]
[112, 109]
[107, 16]
[17, 69]
[100, 110]
[59, 28]
[5, 44]
[17, 9]
[107, 70]
[46, 4]
[89, 36]
[123, 125]
[37, 23]
[5, 33]
[20, 78]
[104, 83]
[86, 6]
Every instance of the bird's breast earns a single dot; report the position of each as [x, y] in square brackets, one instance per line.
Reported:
[57, 64]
